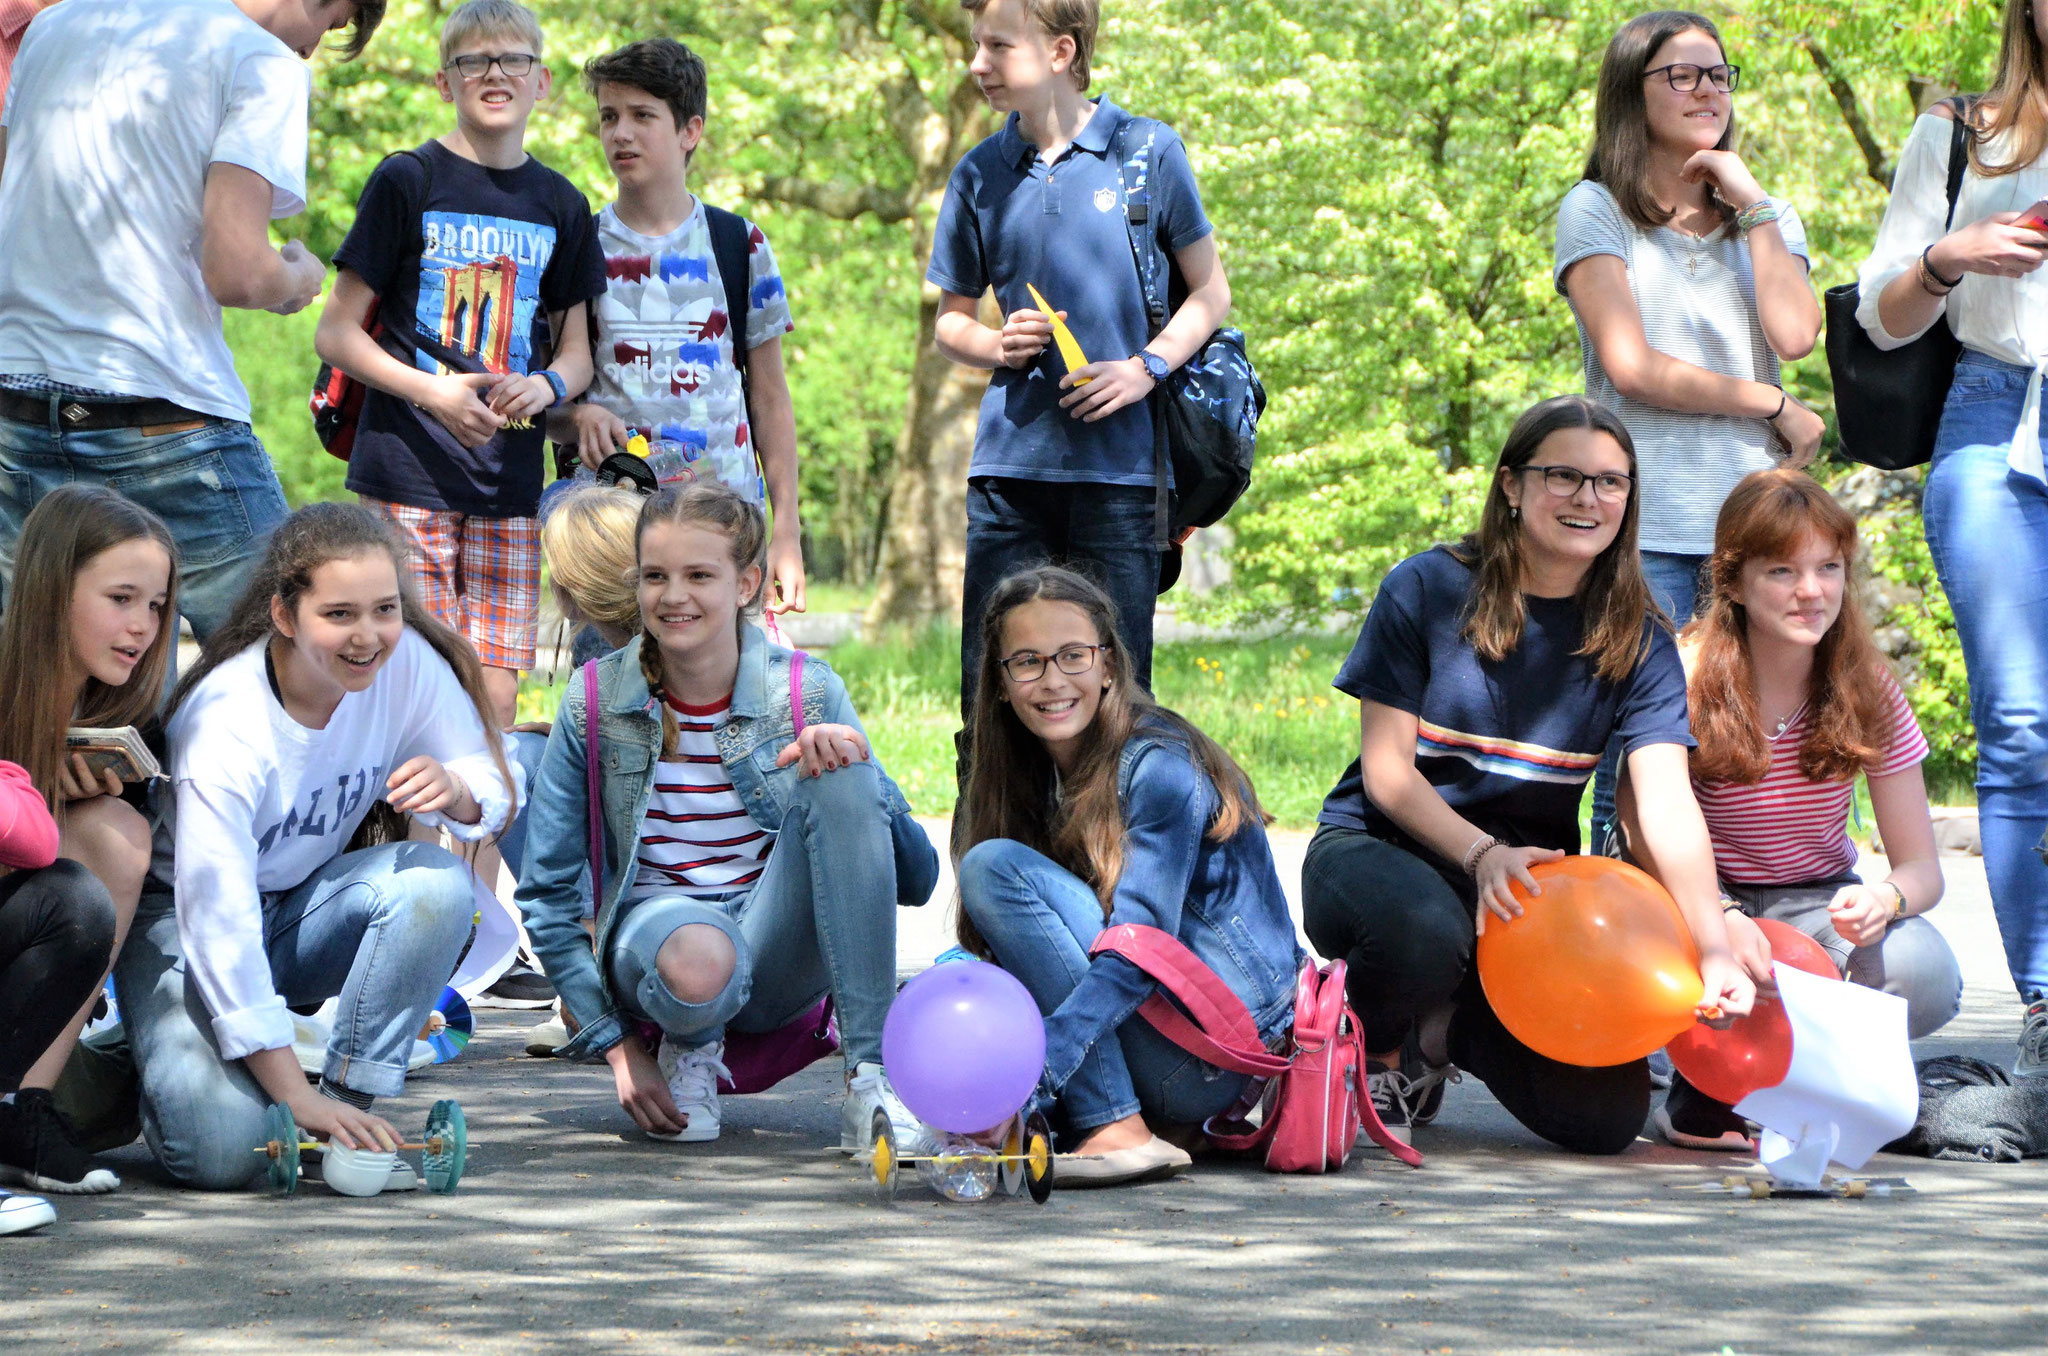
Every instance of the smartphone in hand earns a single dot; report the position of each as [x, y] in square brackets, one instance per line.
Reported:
[2035, 218]
[120, 749]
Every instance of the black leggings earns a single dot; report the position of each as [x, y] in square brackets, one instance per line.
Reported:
[56, 937]
[1404, 931]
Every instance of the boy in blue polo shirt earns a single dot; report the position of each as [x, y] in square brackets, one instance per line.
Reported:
[1062, 465]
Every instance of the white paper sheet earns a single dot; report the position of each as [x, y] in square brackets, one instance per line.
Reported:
[1851, 1088]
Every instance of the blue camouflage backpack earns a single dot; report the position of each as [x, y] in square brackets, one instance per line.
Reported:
[1205, 417]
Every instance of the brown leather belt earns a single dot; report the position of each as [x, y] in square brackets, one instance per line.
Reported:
[87, 416]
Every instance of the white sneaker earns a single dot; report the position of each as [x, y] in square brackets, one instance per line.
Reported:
[402, 1177]
[18, 1214]
[693, 1076]
[865, 1091]
[550, 1036]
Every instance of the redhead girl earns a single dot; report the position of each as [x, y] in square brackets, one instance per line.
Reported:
[1791, 703]
[1088, 805]
[746, 869]
[327, 693]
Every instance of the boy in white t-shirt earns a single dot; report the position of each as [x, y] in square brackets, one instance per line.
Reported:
[673, 362]
[185, 122]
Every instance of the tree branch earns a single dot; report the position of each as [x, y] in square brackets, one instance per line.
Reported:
[1875, 162]
[840, 199]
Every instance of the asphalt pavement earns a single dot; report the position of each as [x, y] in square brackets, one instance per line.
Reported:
[573, 1232]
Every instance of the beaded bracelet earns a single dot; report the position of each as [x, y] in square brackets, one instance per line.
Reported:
[1755, 215]
[1481, 845]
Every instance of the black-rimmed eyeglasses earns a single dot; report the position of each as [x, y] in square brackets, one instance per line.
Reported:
[474, 65]
[1072, 659]
[1610, 487]
[1685, 77]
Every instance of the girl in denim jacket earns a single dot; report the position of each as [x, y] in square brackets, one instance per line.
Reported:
[1088, 805]
[747, 869]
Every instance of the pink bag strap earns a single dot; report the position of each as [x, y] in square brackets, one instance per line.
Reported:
[1216, 1027]
[590, 781]
[796, 690]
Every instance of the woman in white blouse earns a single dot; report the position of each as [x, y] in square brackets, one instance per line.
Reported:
[1986, 504]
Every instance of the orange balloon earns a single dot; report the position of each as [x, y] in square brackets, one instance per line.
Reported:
[1600, 968]
[1756, 1051]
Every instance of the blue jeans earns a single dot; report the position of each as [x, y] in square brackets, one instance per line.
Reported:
[1103, 531]
[213, 487]
[381, 928]
[523, 750]
[1040, 919]
[1674, 580]
[1987, 530]
[821, 919]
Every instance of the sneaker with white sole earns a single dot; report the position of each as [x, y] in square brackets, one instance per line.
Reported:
[867, 1091]
[1393, 1097]
[543, 1041]
[402, 1177]
[693, 1073]
[522, 986]
[2033, 1056]
[40, 1149]
[19, 1214]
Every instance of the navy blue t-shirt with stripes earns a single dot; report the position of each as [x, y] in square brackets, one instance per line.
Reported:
[1508, 745]
[697, 838]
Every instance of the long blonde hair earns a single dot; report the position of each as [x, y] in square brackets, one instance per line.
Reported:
[66, 530]
[1010, 779]
[703, 503]
[588, 537]
[2017, 101]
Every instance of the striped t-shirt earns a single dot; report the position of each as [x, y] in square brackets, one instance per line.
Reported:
[1697, 299]
[697, 838]
[1785, 828]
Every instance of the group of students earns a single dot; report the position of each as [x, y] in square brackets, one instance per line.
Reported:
[703, 840]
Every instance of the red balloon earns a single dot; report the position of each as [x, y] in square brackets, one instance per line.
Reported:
[1756, 1052]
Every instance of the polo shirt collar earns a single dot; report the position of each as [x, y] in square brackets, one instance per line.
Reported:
[1094, 137]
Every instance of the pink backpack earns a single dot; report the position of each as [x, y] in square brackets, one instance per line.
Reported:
[1313, 1091]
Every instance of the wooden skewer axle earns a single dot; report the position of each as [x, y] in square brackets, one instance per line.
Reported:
[273, 1149]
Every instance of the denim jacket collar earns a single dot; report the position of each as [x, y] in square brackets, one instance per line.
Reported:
[631, 694]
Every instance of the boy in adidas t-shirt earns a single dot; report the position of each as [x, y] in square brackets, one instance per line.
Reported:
[672, 363]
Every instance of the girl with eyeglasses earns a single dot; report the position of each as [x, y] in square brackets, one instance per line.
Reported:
[1689, 284]
[1985, 506]
[1089, 805]
[1490, 674]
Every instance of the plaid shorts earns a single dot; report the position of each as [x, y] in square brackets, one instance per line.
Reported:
[480, 576]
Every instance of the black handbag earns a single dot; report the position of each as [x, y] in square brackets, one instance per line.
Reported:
[1888, 401]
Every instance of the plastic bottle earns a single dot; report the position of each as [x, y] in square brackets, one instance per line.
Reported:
[959, 1169]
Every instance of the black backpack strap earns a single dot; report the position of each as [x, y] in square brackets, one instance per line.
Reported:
[732, 250]
[1150, 260]
[1958, 151]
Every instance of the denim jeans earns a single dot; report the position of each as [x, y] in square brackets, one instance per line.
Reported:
[1674, 580]
[381, 928]
[522, 750]
[1987, 530]
[1040, 919]
[822, 918]
[1103, 531]
[1911, 961]
[213, 487]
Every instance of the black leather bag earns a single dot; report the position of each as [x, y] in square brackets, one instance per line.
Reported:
[1888, 401]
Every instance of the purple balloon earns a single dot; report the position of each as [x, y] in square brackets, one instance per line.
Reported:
[964, 1046]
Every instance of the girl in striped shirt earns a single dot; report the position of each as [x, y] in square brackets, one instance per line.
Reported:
[1791, 701]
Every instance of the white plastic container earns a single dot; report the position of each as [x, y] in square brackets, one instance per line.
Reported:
[356, 1172]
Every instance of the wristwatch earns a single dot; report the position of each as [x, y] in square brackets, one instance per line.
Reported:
[1155, 366]
[554, 379]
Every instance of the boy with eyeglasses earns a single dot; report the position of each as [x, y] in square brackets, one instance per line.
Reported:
[478, 262]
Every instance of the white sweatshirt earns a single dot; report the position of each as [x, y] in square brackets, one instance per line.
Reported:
[263, 802]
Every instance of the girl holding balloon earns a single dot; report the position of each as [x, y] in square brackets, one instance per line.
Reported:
[1088, 805]
[1790, 702]
[1490, 676]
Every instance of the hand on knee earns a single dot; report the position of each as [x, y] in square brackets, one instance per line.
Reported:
[697, 962]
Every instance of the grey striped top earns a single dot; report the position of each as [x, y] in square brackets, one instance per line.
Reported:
[1698, 303]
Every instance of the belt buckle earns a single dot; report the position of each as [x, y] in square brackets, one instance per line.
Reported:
[75, 413]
